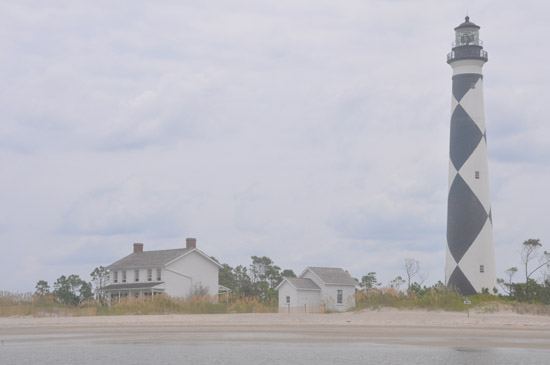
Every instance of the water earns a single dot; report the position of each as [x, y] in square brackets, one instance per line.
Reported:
[84, 352]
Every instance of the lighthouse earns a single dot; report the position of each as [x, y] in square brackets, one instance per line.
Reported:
[470, 261]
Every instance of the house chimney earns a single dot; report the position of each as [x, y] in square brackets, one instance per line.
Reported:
[190, 243]
[138, 247]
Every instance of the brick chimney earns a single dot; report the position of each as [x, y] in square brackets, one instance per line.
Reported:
[190, 243]
[138, 247]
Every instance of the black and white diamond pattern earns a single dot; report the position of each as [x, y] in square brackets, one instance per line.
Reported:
[469, 227]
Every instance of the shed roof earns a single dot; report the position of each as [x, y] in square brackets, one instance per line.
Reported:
[332, 275]
[304, 284]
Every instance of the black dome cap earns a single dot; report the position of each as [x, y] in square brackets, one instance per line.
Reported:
[467, 24]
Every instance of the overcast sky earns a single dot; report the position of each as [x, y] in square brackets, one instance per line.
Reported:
[312, 132]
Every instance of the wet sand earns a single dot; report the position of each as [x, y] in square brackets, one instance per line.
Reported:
[388, 326]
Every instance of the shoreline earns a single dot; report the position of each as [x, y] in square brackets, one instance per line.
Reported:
[385, 326]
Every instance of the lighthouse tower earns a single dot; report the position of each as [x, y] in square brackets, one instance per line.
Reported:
[470, 263]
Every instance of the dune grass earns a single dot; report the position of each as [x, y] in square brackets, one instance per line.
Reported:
[12, 304]
[161, 304]
[442, 299]
[437, 299]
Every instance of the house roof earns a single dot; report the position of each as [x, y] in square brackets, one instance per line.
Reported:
[332, 275]
[153, 259]
[147, 259]
[130, 286]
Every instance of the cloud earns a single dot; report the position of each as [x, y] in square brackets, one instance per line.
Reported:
[310, 132]
[131, 208]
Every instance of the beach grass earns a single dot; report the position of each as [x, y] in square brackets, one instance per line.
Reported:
[432, 299]
[13, 304]
[442, 299]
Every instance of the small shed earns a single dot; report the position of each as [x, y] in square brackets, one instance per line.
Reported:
[299, 295]
[317, 289]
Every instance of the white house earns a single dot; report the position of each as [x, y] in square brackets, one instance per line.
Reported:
[180, 272]
[317, 288]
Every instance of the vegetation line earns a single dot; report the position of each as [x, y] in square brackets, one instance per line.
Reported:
[433, 298]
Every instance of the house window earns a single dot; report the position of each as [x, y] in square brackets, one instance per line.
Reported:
[149, 274]
[115, 276]
[136, 275]
[339, 297]
[477, 174]
[481, 268]
[123, 276]
[159, 278]
[288, 299]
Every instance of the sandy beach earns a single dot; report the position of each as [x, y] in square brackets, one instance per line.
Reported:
[387, 326]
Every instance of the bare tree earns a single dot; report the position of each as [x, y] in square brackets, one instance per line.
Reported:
[412, 269]
[530, 252]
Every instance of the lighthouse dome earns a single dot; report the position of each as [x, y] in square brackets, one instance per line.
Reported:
[467, 24]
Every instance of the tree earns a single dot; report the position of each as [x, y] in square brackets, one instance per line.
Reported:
[507, 285]
[42, 288]
[85, 291]
[369, 281]
[397, 283]
[63, 291]
[100, 278]
[412, 269]
[530, 252]
[288, 273]
[265, 276]
[226, 277]
[273, 276]
[72, 290]
[243, 283]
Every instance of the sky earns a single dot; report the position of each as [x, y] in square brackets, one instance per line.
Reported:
[312, 132]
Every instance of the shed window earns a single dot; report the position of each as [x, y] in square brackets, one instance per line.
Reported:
[339, 297]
